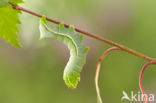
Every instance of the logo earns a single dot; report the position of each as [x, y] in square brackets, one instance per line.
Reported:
[138, 97]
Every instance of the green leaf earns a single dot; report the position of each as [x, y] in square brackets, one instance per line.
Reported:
[8, 23]
[78, 50]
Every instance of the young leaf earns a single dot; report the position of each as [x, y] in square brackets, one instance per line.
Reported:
[78, 50]
[8, 23]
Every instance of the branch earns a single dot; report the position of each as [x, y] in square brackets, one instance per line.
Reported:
[126, 49]
[98, 70]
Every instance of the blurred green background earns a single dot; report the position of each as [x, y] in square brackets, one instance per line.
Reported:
[33, 74]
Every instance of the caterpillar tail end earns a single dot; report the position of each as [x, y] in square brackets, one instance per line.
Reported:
[71, 83]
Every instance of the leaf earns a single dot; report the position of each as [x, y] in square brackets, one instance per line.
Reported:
[78, 50]
[8, 23]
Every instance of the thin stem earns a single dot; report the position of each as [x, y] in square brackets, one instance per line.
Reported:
[98, 70]
[88, 34]
[141, 77]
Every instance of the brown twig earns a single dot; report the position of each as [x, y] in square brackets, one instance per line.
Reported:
[88, 34]
[98, 70]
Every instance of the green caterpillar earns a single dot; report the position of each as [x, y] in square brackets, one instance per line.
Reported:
[78, 50]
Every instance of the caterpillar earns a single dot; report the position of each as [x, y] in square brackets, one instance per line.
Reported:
[78, 51]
